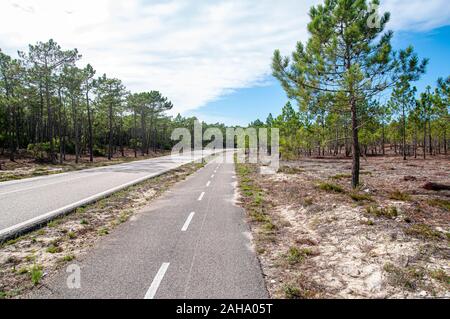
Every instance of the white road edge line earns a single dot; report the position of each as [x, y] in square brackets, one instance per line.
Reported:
[209, 183]
[30, 223]
[201, 196]
[49, 184]
[157, 281]
[188, 222]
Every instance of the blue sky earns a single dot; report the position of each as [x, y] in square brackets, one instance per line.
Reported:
[210, 58]
[258, 102]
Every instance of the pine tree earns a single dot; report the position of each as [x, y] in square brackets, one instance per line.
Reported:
[347, 59]
[48, 58]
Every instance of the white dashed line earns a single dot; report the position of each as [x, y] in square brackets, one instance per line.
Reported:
[188, 221]
[157, 281]
[212, 176]
[201, 196]
[209, 183]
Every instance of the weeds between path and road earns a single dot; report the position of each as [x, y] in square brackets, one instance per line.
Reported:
[316, 237]
[24, 261]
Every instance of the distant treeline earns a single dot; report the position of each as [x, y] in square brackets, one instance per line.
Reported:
[50, 107]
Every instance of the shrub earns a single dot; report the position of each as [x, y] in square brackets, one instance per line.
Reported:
[398, 195]
[39, 151]
[442, 203]
[36, 274]
[358, 197]
[331, 188]
[424, 231]
[389, 212]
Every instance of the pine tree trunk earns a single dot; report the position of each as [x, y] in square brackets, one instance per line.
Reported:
[355, 146]
[429, 137]
[445, 141]
[425, 140]
[75, 128]
[135, 134]
[404, 135]
[91, 146]
[61, 143]
[143, 133]
[50, 121]
[110, 135]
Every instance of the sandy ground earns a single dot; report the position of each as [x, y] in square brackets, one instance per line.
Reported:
[320, 239]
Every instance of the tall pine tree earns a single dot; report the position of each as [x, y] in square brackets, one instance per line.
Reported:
[348, 58]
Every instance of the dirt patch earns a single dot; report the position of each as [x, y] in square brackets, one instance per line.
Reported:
[26, 260]
[26, 167]
[388, 239]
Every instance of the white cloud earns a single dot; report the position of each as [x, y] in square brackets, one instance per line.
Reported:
[192, 51]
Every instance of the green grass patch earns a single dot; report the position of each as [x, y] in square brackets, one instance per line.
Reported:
[388, 212]
[291, 291]
[11, 241]
[341, 176]
[22, 271]
[41, 232]
[53, 223]
[68, 258]
[440, 275]
[53, 249]
[295, 255]
[360, 197]
[269, 226]
[423, 231]
[398, 195]
[103, 231]
[124, 217]
[408, 278]
[36, 274]
[71, 235]
[81, 210]
[259, 217]
[290, 170]
[441, 203]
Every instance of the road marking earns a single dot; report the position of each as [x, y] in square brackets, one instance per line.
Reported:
[30, 223]
[48, 184]
[188, 221]
[209, 183]
[157, 281]
[212, 176]
[201, 196]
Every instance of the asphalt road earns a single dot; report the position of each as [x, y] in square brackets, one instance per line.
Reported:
[26, 202]
[192, 243]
